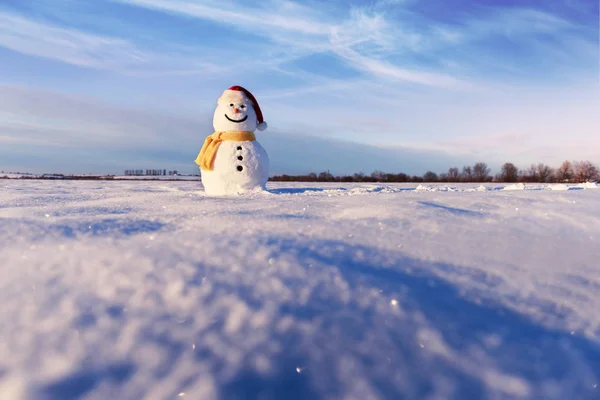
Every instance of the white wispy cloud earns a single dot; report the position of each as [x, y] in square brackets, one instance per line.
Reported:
[361, 37]
[75, 47]
[516, 22]
[381, 46]
[366, 38]
[68, 45]
[540, 34]
[261, 17]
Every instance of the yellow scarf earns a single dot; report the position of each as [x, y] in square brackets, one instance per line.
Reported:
[211, 145]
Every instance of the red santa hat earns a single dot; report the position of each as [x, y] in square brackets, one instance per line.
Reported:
[236, 93]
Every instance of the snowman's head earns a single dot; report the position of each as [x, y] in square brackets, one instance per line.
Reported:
[237, 110]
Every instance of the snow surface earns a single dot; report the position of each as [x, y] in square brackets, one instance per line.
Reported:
[153, 290]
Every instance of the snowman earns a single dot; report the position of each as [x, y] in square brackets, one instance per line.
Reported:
[231, 160]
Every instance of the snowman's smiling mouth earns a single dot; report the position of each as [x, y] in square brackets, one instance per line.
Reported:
[239, 121]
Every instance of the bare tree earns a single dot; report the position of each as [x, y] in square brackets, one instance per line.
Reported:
[466, 174]
[527, 175]
[326, 176]
[430, 177]
[542, 173]
[481, 172]
[585, 171]
[565, 172]
[536, 173]
[401, 177]
[359, 177]
[453, 174]
[378, 175]
[508, 173]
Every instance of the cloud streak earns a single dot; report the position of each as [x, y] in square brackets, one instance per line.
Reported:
[388, 50]
[78, 48]
[71, 46]
[280, 15]
[382, 46]
[360, 39]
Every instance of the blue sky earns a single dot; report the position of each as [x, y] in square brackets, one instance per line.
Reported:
[395, 85]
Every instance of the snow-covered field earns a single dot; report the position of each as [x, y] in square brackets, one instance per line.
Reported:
[152, 290]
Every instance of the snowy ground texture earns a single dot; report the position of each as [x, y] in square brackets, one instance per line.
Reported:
[152, 290]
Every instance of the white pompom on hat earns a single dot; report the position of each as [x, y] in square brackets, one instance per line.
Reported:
[234, 92]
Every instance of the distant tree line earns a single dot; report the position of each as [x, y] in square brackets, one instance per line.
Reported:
[568, 172]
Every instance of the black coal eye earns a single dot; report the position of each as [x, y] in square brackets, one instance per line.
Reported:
[242, 106]
[231, 105]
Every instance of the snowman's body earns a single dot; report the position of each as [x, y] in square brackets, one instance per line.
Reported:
[238, 165]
